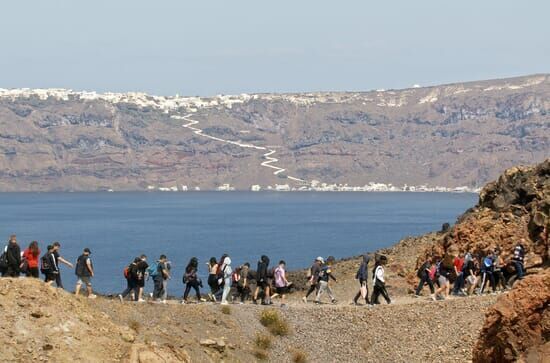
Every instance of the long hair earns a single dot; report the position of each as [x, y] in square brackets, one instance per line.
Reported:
[192, 265]
[33, 246]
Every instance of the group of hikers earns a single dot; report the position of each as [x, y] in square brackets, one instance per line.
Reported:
[13, 263]
[469, 273]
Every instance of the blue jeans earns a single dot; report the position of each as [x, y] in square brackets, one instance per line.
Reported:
[459, 283]
[519, 269]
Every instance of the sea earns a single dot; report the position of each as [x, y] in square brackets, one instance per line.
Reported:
[295, 227]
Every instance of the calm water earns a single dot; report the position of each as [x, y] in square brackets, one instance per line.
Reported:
[295, 227]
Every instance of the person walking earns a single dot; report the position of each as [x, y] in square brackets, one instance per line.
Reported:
[424, 274]
[85, 272]
[444, 268]
[362, 276]
[139, 277]
[487, 268]
[213, 278]
[12, 256]
[191, 280]
[281, 283]
[262, 281]
[31, 256]
[227, 272]
[48, 266]
[131, 281]
[313, 277]
[58, 259]
[159, 275]
[458, 265]
[498, 265]
[518, 260]
[242, 284]
[324, 275]
[379, 282]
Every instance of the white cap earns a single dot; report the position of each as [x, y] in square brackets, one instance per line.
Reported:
[320, 259]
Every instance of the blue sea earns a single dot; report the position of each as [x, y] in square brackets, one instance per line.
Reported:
[295, 227]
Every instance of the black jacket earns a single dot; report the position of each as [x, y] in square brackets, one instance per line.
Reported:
[13, 255]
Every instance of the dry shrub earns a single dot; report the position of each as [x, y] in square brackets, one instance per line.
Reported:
[134, 325]
[269, 317]
[226, 310]
[280, 327]
[299, 356]
[263, 341]
[261, 354]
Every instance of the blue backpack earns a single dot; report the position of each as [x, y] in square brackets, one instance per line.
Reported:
[153, 270]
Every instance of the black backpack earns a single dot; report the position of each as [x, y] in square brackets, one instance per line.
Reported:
[45, 265]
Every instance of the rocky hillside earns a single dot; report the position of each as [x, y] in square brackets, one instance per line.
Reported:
[451, 135]
[513, 209]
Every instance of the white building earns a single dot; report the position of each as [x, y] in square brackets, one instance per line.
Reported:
[255, 188]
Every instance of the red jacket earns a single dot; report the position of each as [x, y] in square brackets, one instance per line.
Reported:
[31, 259]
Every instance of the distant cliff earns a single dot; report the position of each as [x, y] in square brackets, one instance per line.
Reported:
[451, 135]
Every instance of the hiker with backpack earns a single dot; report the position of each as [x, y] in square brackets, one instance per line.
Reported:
[158, 271]
[324, 275]
[281, 283]
[84, 270]
[48, 265]
[31, 255]
[139, 277]
[443, 271]
[487, 268]
[379, 282]
[423, 274]
[241, 280]
[518, 260]
[213, 278]
[362, 276]
[262, 281]
[58, 259]
[11, 258]
[130, 273]
[226, 271]
[313, 277]
[192, 280]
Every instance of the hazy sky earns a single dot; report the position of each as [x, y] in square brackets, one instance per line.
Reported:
[212, 47]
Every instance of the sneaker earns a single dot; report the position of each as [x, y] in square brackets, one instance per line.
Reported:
[120, 298]
[141, 301]
[92, 296]
[432, 296]
[224, 303]
[334, 301]
[202, 300]
[317, 302]
[241, 303]
[416, 296]
[304, 299]
[183, 302]
[151, 295]
[163, 301]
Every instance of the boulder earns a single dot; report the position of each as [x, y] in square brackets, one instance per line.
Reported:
[517, 327]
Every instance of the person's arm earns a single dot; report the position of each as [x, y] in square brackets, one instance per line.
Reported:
[332, 276]
[165, 273]
[62, 260]
[89, 267]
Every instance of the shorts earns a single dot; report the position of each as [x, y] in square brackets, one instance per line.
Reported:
[263, 284]
[281, 290]
[443, 281]
[50, 276]
[86, 280]
[471, 279]
[139, 283]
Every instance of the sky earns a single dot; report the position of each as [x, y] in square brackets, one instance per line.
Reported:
[230, 47]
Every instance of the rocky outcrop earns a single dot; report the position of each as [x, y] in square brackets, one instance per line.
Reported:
[513, 209]
[517, 327]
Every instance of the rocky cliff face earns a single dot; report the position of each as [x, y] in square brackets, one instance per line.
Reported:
[451, 135]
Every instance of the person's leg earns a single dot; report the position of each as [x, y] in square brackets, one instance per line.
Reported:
[89, 287]
[77, 287]
[375, 294]
[58, 281]
[164, 294]
[197, 290]
[420, 284]
[330, 294]
[310, 290]
[492, 281]
[385, 294]
[226, 289]
[431, 286]
[186, 292]
[519, 269]
[322, 287]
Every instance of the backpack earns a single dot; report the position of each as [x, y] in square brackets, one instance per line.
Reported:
[153, 270]
[126, 272]
[433, 272]
[4, 259]
[80, 267]
[45, 265]
[236, 276]
[421, 270]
